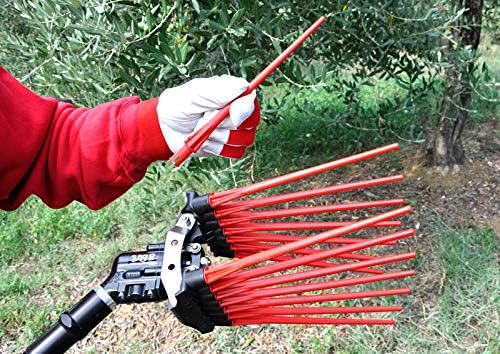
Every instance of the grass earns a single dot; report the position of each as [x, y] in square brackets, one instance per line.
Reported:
[469, 299]
[463, 315]
[317, 123]
[50, 257]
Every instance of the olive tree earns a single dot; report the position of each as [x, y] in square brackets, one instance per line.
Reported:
[444, 146]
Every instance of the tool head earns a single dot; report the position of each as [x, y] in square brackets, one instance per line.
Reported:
[278, 269]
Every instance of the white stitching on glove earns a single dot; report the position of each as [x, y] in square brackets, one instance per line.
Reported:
[186, 108]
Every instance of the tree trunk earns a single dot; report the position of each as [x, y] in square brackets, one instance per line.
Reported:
[445, 147]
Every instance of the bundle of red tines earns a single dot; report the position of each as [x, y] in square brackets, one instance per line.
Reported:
[281, 266]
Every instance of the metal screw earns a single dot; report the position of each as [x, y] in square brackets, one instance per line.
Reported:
[174, 242]
[205, 261]
[186, 220]
[193, 247]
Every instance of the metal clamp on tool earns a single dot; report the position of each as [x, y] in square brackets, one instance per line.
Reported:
[189, 297]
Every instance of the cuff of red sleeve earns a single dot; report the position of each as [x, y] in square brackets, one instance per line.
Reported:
[142, 134]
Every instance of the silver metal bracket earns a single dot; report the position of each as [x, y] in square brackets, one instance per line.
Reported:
[171, 272]
[104, 296]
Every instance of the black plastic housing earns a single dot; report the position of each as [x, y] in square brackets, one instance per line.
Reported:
[135, 276]
[196, 305]
[209, 225]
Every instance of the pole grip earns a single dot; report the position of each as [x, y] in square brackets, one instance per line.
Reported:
[72, 326]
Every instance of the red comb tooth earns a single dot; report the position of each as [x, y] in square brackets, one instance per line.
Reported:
[311, 321]
[217, 199]
[255, 248]
[229, 208]
[242, 217]
[290, 226]
[306, 251]
[319, 264]
[255, 237]
[290, 311]
[309, 299]
[303, 288]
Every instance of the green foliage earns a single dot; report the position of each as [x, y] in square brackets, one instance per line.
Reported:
[491, 18]
[93, 51]
[141, 47]
[320, 126]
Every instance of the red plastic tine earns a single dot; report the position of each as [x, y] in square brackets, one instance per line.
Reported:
[196, 140]
[240, 254]
[251, 249]
[214, 273]
[291, 311]
[290, 226]
[311, 321]
[284, 213]
[237, 206]
[310, 274]
[266, 246]
[310, 299]
[217, 199]
[256, 237]
[303, 288]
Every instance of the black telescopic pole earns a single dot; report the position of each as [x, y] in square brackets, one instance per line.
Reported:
[75, 324]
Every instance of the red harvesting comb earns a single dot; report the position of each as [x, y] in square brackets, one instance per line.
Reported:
[288, 271]
[277, 266]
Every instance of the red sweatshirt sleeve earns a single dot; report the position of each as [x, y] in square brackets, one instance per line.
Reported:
[61, 153]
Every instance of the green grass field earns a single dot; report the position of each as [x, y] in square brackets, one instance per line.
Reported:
[50, 257]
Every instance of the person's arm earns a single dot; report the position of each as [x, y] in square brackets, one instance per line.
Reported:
[61, 153]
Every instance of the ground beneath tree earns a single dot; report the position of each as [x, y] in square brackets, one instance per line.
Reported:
[470, 197]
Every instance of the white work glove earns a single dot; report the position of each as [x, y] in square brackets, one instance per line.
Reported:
[186, 108]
